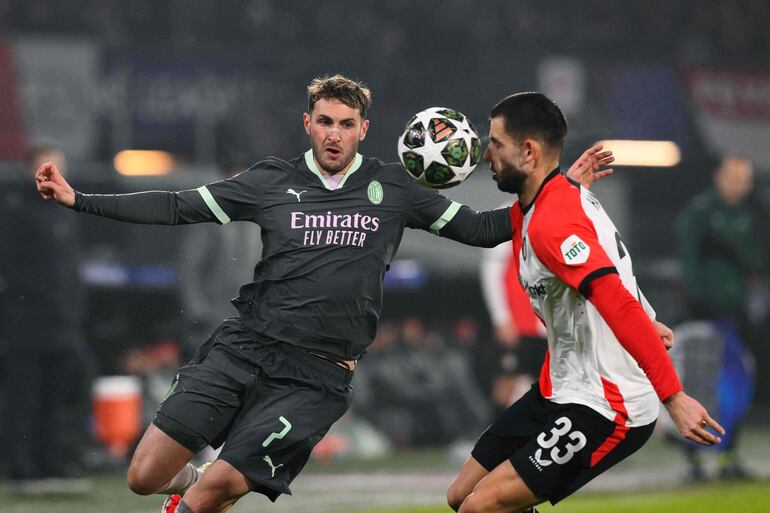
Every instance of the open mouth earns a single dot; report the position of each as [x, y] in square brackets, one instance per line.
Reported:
[333, 152]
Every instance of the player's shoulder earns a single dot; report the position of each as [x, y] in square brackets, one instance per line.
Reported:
[264, 170]
[377, 165]
[558, 204]
[273, 163]
[392, 173]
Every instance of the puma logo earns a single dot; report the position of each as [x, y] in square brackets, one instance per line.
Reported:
[267, 460]
[297, 194]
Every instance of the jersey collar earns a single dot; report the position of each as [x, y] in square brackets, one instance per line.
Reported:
[312, 166]
[553, 174]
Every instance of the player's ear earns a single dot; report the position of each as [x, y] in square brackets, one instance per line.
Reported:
[364, 128]
[306, 122]
[532, 150]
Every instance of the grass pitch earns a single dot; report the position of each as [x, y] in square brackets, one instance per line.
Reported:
[651, 481]
[717, 497]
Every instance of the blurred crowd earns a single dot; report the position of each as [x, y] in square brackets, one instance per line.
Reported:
[693, 31]
[427, 383]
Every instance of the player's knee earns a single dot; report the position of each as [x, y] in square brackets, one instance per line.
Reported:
[483, 503]
[455, 497]
[140, 482]
[472, 504]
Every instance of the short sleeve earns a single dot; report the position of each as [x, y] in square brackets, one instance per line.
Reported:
[235, 199]
[567, 244]
[427, 209]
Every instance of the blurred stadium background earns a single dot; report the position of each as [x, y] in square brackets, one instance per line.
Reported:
[218, 84]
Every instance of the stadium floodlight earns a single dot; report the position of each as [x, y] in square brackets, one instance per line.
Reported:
[643, 153]
[144, 162]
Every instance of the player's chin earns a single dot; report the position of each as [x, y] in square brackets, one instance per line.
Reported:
[335, 164]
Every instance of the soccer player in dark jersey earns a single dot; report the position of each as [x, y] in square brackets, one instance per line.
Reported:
[270, 381]
[606, 370]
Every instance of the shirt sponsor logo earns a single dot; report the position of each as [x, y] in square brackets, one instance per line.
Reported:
[334, 229]
[574, 250]
[375, 192]
[538, 289]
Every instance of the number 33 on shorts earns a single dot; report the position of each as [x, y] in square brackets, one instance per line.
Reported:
[561, 453]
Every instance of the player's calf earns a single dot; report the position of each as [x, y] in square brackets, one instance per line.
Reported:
[219, 488]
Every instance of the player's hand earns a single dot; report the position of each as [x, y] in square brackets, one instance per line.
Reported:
[586, 169]
[692, 420]
[666, 335]
[52, 186]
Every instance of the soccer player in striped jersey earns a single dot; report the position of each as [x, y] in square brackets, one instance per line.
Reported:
[606, 370]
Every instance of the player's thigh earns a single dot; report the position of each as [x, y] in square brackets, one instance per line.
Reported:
[292, 408]
[513, 429]
[615, 448]
[564, 450]
[501, 491]
[470, 474]
[157, 458]
[207, 394]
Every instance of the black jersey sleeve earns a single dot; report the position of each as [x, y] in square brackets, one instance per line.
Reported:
[150, 207]
[237, 198]
[427, 209]
[485, 229]
[434, 212]
[234, 199]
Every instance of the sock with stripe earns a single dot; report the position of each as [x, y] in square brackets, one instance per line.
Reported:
[186, 477]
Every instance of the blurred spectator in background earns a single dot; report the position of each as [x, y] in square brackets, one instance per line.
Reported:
[722, 259]
[46, 364]
[215, 262]
[420, 390]
[519, 334]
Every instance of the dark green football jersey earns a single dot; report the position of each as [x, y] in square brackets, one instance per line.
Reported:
[325, 251]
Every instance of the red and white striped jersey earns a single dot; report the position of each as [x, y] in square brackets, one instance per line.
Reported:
[563, 241]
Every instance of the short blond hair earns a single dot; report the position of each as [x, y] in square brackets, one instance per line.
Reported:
[338, 87]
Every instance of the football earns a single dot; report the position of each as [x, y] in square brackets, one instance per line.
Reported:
[439, 147]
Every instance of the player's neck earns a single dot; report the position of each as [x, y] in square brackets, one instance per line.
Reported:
[535, 181]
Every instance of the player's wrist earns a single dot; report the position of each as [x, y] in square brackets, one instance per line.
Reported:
[76, 202]
[673, 398]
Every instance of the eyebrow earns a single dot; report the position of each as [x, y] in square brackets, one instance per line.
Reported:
[325, 117]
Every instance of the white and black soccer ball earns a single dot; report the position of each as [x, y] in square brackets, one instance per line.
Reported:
[439, 147]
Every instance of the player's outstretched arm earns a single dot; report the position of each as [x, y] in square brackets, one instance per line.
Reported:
[52, 186]
[633, 329]
[149, 207]
[587, 169]
[692, 419]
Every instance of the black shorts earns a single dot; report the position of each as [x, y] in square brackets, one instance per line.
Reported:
[556, 448]
[270, 404]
